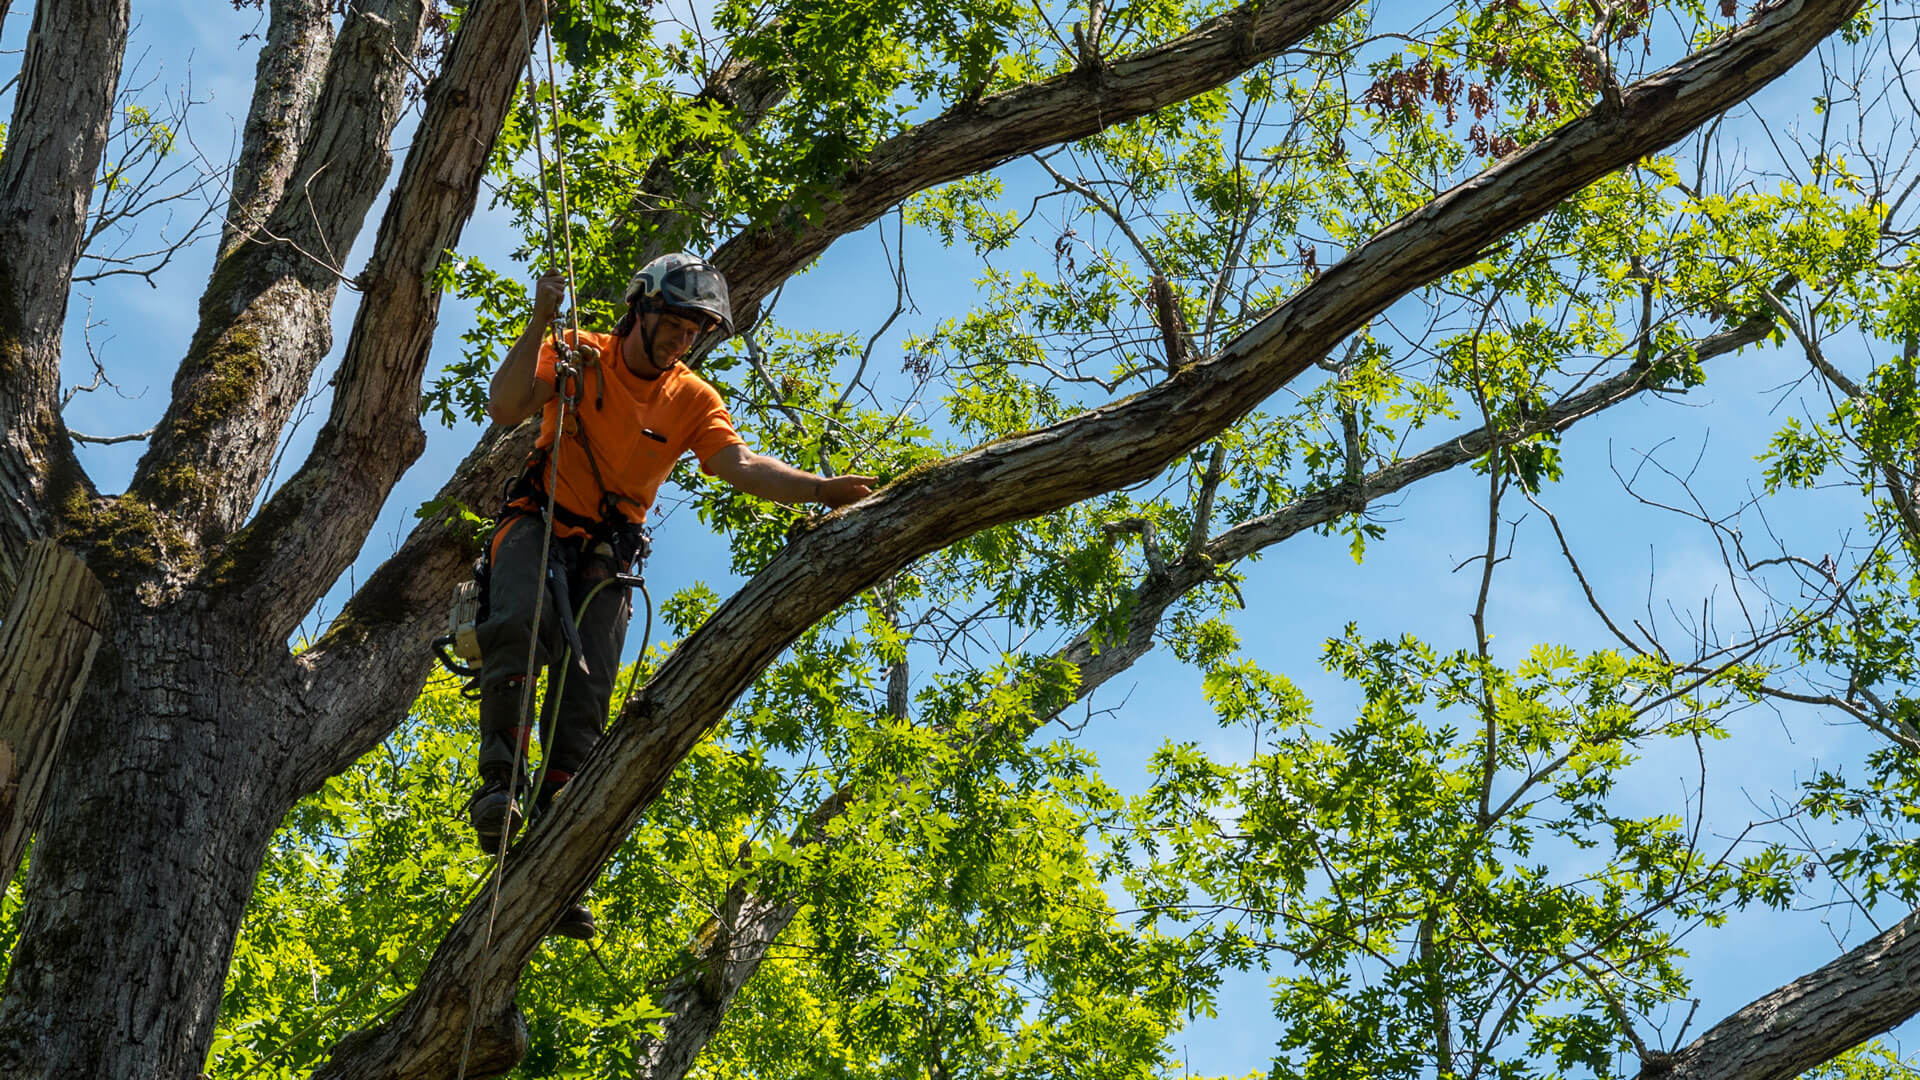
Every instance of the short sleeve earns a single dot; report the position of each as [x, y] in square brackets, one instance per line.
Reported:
[712, 429]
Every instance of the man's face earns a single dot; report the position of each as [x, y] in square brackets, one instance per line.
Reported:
[673, 335]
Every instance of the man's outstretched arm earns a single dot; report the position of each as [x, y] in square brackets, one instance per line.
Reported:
[771, 478]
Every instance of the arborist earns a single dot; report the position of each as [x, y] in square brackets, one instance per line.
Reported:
[632, 409]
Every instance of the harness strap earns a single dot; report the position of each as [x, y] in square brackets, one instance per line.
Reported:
[628, 541]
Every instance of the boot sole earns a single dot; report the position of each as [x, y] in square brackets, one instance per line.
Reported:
[578, 931]
[493, 822]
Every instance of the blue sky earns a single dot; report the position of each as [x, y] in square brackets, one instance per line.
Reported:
[1299, 595]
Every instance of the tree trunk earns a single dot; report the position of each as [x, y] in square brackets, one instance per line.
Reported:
[198, 731]
[149, 855]
[46, 650]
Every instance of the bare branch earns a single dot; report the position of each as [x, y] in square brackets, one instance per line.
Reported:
[1899, 490]
[1203, 506]
[108, 440]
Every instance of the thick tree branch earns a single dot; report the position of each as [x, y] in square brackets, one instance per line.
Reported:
[310, 530]
[61, 116]
[1115, 445]
[727, 951]
[265, 316]
[368, 667]
[1833, 1008]
[286, 86]
[974, 136]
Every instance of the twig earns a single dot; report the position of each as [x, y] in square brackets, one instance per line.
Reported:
[108, 440]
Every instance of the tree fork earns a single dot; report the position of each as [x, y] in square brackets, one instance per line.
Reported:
[47, 644]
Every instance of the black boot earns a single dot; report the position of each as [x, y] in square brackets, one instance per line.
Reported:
[493, 810]
[575, 922]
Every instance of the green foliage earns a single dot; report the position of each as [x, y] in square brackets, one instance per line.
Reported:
[1397, 873]
[1868, 1061]
[1450, 862]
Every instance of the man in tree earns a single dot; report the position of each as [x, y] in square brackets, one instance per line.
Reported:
[630, 410]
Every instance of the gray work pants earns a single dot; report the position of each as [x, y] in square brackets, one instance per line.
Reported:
[575, 710]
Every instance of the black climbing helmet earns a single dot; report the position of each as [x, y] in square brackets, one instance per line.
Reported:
[682, 284]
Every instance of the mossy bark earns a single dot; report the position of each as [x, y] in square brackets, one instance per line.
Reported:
[169, 790]
[265, 317]
[286, 87]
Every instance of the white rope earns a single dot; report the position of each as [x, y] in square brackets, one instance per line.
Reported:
[562, 372]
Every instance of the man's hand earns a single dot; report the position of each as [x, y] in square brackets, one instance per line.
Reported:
[515, 394]
[839, 491]
[548, 294]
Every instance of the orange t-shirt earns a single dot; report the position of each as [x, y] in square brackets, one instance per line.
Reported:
[636, 428]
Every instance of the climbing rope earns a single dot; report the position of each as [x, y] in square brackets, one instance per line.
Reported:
[566, 388]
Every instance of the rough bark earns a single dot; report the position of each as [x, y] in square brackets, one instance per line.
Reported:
[1115, 445]
[169, 792]
[54, 141]
[47, 642]
[729, 949]
[286, 85]
[188, 746]
[310, 530]
[1812, 1019]
[264, 318]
